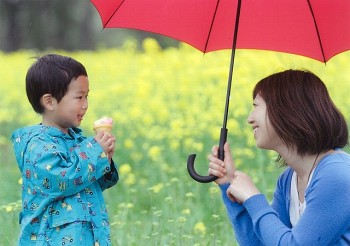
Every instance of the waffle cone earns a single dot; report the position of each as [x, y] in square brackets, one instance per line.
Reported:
[104, 128]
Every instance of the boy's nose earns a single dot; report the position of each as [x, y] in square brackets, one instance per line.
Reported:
[85, 106]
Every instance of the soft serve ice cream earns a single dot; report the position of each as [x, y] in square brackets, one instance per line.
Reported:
[104, 124]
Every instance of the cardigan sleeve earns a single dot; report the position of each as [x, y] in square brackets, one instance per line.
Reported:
[326, 217]
[240, 220]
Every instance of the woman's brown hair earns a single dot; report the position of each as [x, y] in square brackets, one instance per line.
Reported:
[302, 112]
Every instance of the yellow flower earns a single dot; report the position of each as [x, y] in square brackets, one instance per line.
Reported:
[122, 205]
[215, 217]
[213, 190]
[151, 45]
[158, 213]
[168, 199]
[181, 219]
[128, 143]
[148, 120]
[189, 194]
[154, 152]
[9, 208]
[130, 179]
[174, 180]
[199, 228]
[174, 144]
[156, 188]
[125, 169]
[136, 156]
[186, 211]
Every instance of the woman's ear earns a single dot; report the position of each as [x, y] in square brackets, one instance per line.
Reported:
[48, 102]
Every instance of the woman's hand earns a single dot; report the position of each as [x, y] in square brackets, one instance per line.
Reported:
[241, 188]
[107, 142]
[224, 170]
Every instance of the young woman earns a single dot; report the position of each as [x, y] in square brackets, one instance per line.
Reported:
[294, 116]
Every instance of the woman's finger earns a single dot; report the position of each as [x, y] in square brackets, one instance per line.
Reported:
[215, 150]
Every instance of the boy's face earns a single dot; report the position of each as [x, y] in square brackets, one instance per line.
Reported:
[69, 112]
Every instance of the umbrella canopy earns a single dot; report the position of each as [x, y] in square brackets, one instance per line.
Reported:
[319, 29]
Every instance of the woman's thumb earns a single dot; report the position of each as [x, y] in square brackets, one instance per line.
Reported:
[227, 150]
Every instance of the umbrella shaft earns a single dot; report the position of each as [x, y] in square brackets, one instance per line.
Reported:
[233, 52]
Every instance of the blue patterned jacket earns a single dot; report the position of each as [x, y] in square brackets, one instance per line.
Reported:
[63, 179]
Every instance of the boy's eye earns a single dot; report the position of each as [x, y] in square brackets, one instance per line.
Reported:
[81, 97]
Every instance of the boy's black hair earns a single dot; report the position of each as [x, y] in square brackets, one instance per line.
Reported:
[51, 74]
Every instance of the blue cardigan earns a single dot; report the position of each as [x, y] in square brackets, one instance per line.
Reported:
[325, 221]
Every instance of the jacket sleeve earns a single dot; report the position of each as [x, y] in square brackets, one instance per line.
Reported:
[110, 178]
[56, 171]
[240, 220]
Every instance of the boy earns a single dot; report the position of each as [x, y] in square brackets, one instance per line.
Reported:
[63, 172]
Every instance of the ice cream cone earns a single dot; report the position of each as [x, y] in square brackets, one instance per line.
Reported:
[104, 124]
[105, 128]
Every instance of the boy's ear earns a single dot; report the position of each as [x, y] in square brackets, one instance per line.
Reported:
[48, 101]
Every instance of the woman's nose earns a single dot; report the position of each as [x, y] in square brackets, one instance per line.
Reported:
[250, 119]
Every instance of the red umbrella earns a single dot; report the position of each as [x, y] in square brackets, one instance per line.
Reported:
[319, 29]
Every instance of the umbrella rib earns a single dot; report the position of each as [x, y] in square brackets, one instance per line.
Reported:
[113, 14]
[211, 26]
[317, 31]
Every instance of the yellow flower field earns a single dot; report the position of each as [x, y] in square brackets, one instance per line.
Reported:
[166, 104]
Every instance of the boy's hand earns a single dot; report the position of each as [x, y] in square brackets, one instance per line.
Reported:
[107, 142]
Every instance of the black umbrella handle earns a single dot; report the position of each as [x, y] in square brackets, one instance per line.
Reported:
[223, 134]
[192, 157]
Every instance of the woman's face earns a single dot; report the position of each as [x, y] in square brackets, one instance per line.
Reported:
[264, 133]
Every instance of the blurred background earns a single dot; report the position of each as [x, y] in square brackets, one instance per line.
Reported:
[60, 24]
[166, 99]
